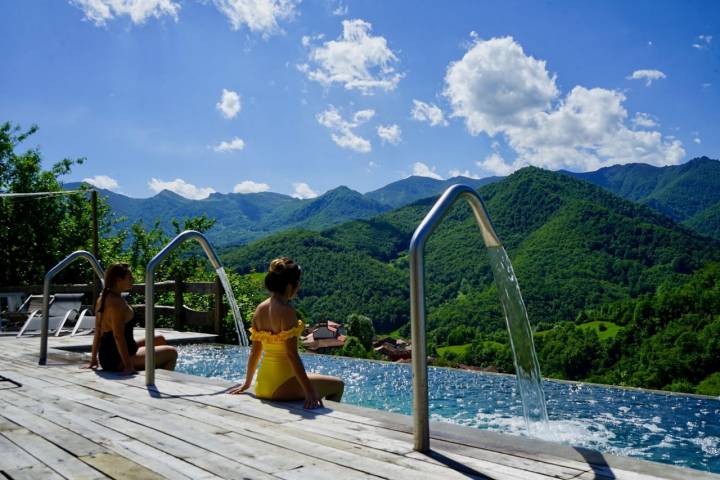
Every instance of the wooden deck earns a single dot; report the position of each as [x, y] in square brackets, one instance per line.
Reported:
[61, 421]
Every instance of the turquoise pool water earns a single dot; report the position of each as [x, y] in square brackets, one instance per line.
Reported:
[677, 429]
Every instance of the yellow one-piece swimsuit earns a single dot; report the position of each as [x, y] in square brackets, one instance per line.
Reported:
[275, 368]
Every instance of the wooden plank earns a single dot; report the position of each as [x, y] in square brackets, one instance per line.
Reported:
[144, 454]
[34, 472]
[120, 468]
[51, 455]
[14, 457]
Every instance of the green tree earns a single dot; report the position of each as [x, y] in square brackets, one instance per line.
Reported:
[361, 327]
[353, 348]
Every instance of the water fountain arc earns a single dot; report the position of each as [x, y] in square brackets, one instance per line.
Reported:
[64, 263]
[183, 237]
[526, 365]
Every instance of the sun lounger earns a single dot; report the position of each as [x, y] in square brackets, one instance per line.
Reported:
[65, 307]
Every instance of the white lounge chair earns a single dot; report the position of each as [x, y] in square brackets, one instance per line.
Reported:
[66, 306]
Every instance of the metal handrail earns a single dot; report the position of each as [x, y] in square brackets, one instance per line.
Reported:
[417, 297]
[46, 293]
[150, 292]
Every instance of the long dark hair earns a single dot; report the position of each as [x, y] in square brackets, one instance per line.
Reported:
[115, 272]
[281, 273]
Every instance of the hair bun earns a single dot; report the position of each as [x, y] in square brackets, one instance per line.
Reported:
[282, 272]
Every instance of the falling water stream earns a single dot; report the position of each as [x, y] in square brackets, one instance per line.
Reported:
[239, 326]
[527, 367]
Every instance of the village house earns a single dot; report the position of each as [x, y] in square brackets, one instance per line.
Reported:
[393, 348]
[324, 336]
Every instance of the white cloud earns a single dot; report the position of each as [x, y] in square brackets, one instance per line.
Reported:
[422, 170]
[648, 75]
[234, 144]
[303, 190]
[697, 140]
[100, 11]
[248, 186]
[391, 133]
[343, 134]
[229, 104]
[644, 120]
[495, 85]
[181, 187]
[498, 90]
[428, 112]
[703, 42]
[466, 173]
[706, 85]
[102, 181]
[260, 16]
[341, 10]
[357, 60]
[495, 165]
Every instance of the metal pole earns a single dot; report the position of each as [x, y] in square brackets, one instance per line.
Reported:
[150, 292]
[95, 252]
[46, 293]
[421, 417]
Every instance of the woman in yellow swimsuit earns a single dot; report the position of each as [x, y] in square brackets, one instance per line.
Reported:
[275, 330]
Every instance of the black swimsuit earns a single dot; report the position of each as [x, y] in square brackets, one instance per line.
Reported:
[108, 353]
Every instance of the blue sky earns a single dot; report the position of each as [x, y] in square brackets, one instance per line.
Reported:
[241, 95]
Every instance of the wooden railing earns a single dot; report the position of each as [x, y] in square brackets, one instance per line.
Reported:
[183, 316]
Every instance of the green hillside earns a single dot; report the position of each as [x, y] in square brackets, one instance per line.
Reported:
[574, 246]
[687, 193]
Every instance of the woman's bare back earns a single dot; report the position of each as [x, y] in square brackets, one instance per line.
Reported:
[274, 316]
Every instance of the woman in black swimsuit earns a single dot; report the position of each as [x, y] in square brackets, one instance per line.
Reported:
[114, 344]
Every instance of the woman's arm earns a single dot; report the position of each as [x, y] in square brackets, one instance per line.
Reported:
[253, 360]
[96, 342]
[311, 398]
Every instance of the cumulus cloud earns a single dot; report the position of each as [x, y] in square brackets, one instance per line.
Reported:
[248, 186]
[422, 170]
[644, 120]
[458, 173]
[496, 86]
[495, 165]
[259, 16]
[236, 143]
[181, 187]
[229, 105]
[100, 11]
[390, 133]
[303, 190]
[428, 112]
[648, 75]
[499, 90]
[703, 42]
[102, 181]
[357, 60]
[342, 130]
[341, 10]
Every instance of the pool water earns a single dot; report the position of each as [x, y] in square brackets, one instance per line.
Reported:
[676, 429]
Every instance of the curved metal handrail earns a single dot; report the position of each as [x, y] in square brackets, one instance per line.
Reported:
[46, 292]
[417, 297]
[150, 291]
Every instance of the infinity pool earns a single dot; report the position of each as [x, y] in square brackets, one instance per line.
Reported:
[677, 429]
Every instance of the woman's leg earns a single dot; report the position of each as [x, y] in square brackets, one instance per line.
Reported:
[159, 340]
[326, 387]
[165, 357]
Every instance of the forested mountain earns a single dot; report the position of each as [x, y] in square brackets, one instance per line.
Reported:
[573, 245]
[687, 193]
[244, 217]
[408, 190]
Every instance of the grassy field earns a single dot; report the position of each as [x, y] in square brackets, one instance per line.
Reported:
[610, 329]
[456, 349]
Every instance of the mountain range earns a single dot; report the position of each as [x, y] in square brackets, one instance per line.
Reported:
[243, 217]
[688, 194]
[573, 244]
